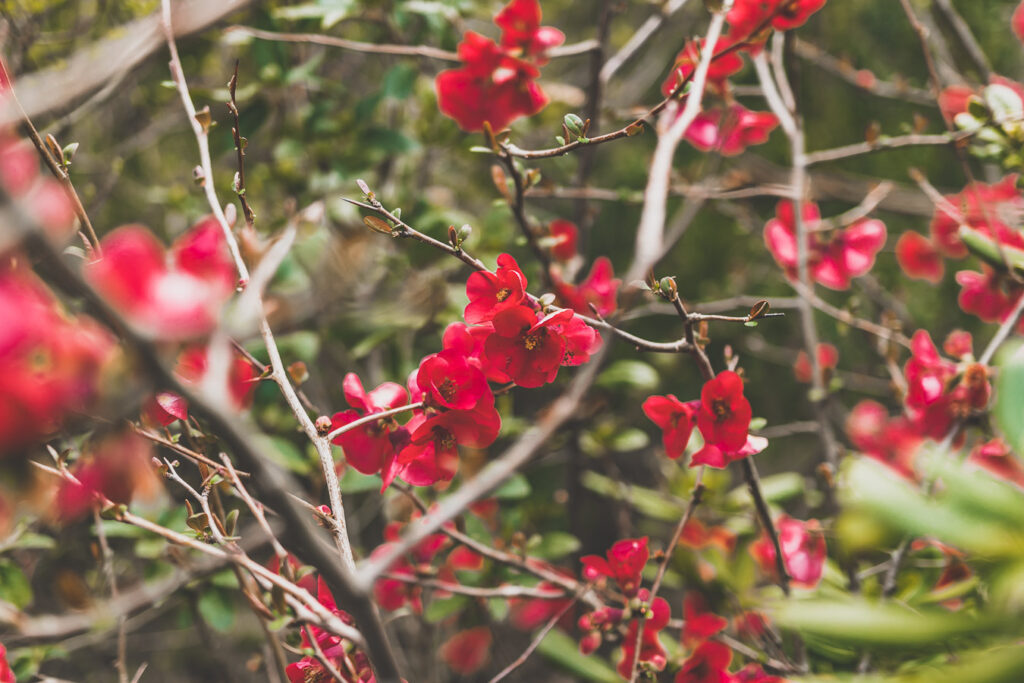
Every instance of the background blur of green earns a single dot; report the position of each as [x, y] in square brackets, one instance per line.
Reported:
[349, 300]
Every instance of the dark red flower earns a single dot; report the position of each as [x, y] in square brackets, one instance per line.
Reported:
[468, 651]
[175, 300]
[725, 413]
[115, 468]
[959, 344]
[564, 234]
[730, 131]
[164, 408]
[919, 258]
[368, 448]
[527, 614]
[933, 400]
[468, 341]
[651, 651]
[624, 562]
[599, 289]
[527, 349]
[698, 624]
[982, 294]
[721, 68]
[709, 663]
[491, 86]
[580, 339]
[676, 420]
[828, 357]
[432, 452]
[519, 22]
[450, 381]
[803, 551]
[831, 262]
[491, 293]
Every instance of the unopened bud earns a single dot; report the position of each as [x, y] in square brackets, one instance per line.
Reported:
[574, 124]
[198, 176]
[323, 425]
[464, 232]
[667, 286]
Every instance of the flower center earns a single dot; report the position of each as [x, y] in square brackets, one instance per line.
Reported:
[447, 389]
[445, 440]
[502, 294]
[720, 407]
[531, 341]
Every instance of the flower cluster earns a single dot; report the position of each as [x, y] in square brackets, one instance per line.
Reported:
[833, 257]
[507, 340]
[496, 83]
[50, 362]
[722, 415]
[940, 393]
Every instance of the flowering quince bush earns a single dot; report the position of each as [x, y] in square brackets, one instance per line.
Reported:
[721, 411]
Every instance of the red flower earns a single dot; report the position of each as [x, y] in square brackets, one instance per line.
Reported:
[725, 413]
[803, 551]
[688, 58]
[468, 651]
[982, 294]
[996, 457]
[1017, 22]
[242, 379]
[580, 339]
[990, 209]
[6, 675]
[529, 613]
[676, 420]
[625, 562]
[369, 447]
[565, 235]
[50, 363]
[651, 651]
[432, 453]
[919, 258]
[828, 357]
[959, 344]
[892, 441]
[491, 86]
[697, 536]
[469, 342]
[709, 663]
[953, 100]
[491, 293]
[747, 15]
[450, 381]
[933, 401]
[164, 408]
[729, 132]
[115, 468]
[599, 289]
[527, 349]
[699, 625]
[175, 301]
[753, 673]
[833, 262]
[520, 28]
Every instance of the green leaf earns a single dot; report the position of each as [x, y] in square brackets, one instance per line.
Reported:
[498, 607]
[217, 608]
[629, 374]
[399, 81]
[515, 488]
[776, 489]
[1009, 402]
[357, 482]
[14, 587]
[882, 625]
[630, 440]
[439, 610]
[554, 545]
[564, 652]
[646, 501]
[285, 453]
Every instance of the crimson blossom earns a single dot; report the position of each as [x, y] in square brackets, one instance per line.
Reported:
[432, 454]
[730, 130]
[6, 675]
[369, 447]
[933, 400]
[171, 296]
[699, 625]
[651, 651]
[491, 293]
[709, 663]
[564, 235]
[721, 68]
[624, 562]
[832, 261]
[747, 16]
[724, 421]
[449, 380]
[599, 289]
[676, 420]
[468, 341]
[496, 83]
[803, 551]
[919, 258]
[530, 350]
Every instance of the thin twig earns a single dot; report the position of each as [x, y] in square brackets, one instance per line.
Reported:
[535, 643]
[121, 664]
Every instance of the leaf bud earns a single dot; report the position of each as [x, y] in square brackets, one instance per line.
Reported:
[575, 124]
[667, 287]
[323, 425]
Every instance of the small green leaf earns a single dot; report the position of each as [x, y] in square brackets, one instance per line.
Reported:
[439, 610]
[14, 587]
[554, 545]
[564, 652]
[217, 608]
[516, 488]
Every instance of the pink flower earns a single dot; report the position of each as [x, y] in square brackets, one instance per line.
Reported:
[803, 551]
[828, 357]
[565, 235]
[520, 28]
[833, 261]
[688, 58]
[892, 441]
[467, 651]
[919, 258]
[599, 289]
[729, 132]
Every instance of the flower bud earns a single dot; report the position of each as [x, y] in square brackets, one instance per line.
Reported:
[575, 124]
[464, 232]
[590, 642]
[323, 425]
[667, 287]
